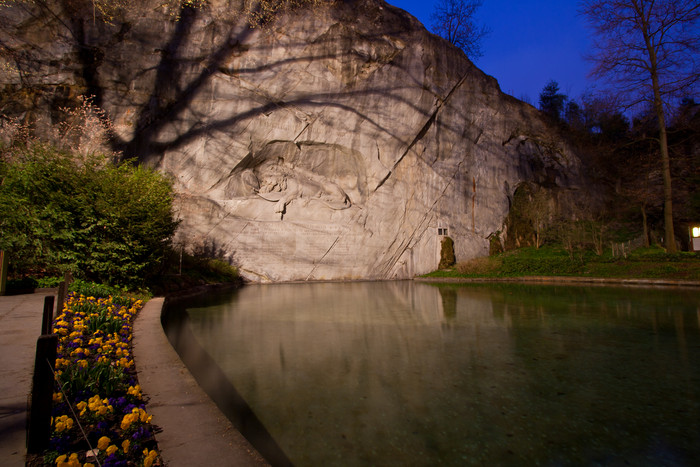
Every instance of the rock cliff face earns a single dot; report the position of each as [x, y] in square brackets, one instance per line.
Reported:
[341, 144]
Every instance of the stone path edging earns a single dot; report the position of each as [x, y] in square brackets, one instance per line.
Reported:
[194, 431]
[564, 280]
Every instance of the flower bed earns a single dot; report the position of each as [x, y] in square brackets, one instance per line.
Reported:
[99, 415]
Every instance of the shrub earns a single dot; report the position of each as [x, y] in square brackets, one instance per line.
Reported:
[222, 269]
[23, 285]
[545, 261]
[105, 222]
[49, 282]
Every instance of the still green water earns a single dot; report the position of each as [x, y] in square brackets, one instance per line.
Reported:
[403, 373]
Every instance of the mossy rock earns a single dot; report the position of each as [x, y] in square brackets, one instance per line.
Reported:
[447, 253]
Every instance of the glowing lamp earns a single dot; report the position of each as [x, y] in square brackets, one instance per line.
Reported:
[695, 238]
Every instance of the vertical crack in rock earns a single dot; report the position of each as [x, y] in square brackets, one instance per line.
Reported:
[439, 104]
[317, 263]
[395, 257]
[473, 204]
[217, 224]
[421, 134]
[296, 138]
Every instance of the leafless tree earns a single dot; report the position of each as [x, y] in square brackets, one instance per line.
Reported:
[454, 20]
[648, 51]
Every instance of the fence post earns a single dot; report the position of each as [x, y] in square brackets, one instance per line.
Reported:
[39, 427]
[61, 296]
[48, 315]
[3, 271]
[63, 291]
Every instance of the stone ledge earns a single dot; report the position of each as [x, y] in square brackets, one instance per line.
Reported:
[566, 280]
[192, 429]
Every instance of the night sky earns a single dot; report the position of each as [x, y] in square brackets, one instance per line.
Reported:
[531, 42]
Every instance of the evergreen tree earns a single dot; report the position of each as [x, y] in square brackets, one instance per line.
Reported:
[552, 101]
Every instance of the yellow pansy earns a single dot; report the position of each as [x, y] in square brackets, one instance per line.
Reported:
[102, 443]
[150, 457]
[71, 462]
[128, 420]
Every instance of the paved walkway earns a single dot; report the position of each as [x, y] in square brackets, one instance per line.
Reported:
[194, 431]
[20, 327]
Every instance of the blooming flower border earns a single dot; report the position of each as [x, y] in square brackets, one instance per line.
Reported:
[99, 413]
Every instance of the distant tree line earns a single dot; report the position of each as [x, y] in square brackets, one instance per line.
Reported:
[647, 52]
[621, 150]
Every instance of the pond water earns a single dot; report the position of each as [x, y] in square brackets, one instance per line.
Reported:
[404, 373]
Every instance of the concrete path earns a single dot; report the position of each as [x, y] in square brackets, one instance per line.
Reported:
[20, 327]
[194, 431]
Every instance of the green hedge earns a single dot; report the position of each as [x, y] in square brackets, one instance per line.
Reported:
[105, 222]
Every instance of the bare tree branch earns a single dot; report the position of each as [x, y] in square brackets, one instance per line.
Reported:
[647, 50]
[453, 20]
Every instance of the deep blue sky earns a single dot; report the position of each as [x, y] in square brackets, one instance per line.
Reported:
[531, 42]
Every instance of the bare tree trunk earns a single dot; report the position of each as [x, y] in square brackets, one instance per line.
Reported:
[670, 41]
[669, 235]
[645, 226]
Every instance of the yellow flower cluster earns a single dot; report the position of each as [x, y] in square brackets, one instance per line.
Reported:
[61, 326]
[62, 363]
[135, 391]
[103, 444]
[76, 342]
[96, 405]
[125, 362]
[78, 327]
[133, 417]
[64, 422]
[93, 332]
[72, 461]
[80, 350]
[65, 461]
[150, 457]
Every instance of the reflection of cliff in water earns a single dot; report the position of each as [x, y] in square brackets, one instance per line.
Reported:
[209, 376]
[314, 355]
[397, 373]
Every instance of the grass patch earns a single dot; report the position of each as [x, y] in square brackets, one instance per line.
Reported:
[643, 263]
